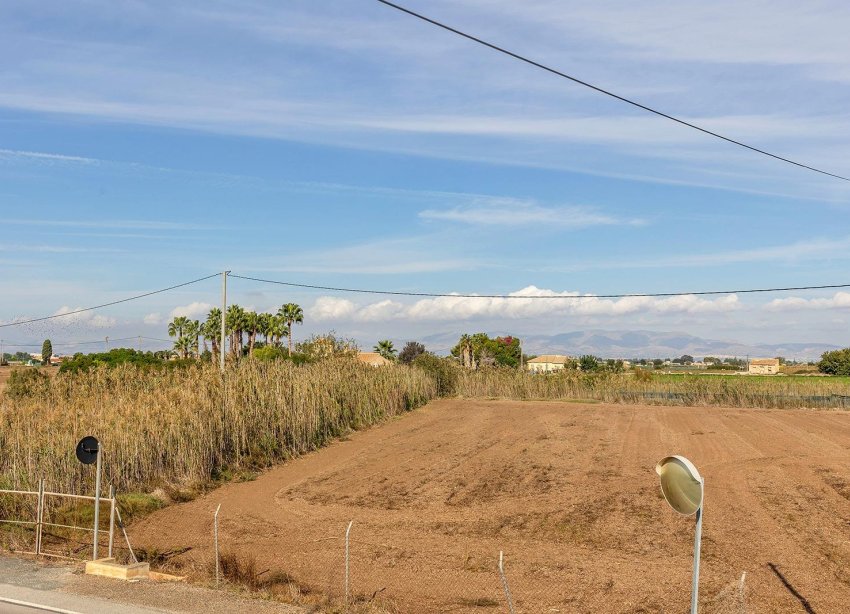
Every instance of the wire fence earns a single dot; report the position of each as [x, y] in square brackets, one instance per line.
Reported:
[353, 571]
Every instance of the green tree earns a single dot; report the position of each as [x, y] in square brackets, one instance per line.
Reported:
[385, 348]
[836, 362]
[46, 352]
[589, 363]
[291, 314]
[410, 351]
[480, 349]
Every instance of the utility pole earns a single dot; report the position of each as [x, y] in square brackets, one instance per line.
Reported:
[107, 343]
[140, 344]
[223, 316]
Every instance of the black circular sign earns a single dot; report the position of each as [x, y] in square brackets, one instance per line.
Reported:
[87, 450]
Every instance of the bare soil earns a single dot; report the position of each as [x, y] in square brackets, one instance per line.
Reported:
[568, 491]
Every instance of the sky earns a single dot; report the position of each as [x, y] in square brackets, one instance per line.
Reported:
[343, 143]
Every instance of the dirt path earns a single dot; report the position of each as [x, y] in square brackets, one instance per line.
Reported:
[568, 492]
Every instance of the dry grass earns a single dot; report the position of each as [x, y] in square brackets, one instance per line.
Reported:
[178, 430]
[699, 390]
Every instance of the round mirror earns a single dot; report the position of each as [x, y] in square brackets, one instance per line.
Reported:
[681, 484]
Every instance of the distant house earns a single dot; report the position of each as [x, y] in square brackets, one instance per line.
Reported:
[373, 359]
[764, 366]
[546, 363]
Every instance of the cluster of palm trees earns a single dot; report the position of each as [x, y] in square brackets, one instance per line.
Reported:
[238, 323]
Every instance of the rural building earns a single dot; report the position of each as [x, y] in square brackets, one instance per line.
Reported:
[764, 366]
[373, 359]
[546, 363]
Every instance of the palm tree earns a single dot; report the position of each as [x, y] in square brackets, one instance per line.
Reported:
[192, 332]
[235, 322]
[385, 348]
[212, 330]
[252, 327]
[177, 325]
[291, 314]
[277, 329]
[183, 345]
[265, 322]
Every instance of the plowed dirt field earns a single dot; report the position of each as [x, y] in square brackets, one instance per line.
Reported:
[568, 492]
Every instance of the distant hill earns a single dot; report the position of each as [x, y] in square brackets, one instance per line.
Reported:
[645, 344]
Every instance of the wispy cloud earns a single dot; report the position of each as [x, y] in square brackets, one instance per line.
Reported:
[516, 212]
[812, 249]
[386, 257]
[43, 156]
[119, 224]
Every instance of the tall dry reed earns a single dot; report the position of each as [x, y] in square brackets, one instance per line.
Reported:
[161, 428]
[700, 390]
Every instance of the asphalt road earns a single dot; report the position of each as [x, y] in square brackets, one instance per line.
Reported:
[29, 608]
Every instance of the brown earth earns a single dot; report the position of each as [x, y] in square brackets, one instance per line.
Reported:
[568, 491]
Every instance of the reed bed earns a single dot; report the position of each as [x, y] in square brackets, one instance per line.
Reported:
[697, 390]
[185, 427]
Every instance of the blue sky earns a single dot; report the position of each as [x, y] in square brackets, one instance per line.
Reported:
[342, 143]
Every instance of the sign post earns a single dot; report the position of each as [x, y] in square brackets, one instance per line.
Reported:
[88, 452]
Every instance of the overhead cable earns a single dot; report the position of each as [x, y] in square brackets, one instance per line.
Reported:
[601, 90]
[123, 300]
[542, 296]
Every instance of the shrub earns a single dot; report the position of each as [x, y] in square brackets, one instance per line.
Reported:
[112, 358]
[443, 371]
[27, 383]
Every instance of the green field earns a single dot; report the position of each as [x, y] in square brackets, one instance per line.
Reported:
[812, 380]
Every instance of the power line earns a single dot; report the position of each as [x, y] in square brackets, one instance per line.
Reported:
[604, 91]
[12, 344]
[123, 300]
[548, 296]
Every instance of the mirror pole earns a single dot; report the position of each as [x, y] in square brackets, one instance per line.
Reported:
[695, 581]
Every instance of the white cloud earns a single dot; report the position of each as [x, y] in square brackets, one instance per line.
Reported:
[153, 319]
[513, 212]
[192, 310]
[86, 318]
[840, 300]
[331, 308]
[447, 308]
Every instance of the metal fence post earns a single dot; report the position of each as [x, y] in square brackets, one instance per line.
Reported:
[347, 533]
[97, 503]
[111, 518]
[215, 539]
[39, 515]
[505, 583]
